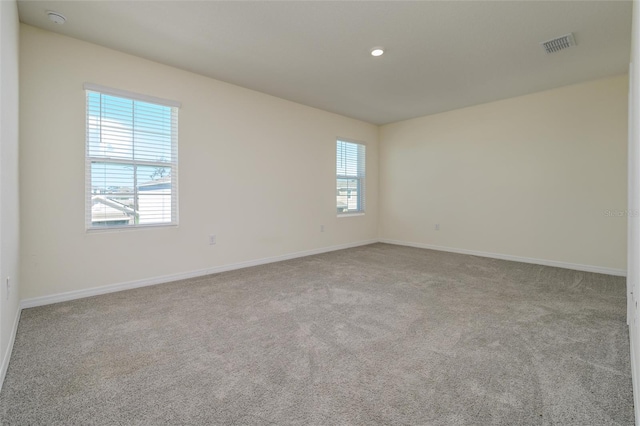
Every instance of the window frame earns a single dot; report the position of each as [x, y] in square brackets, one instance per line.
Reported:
[361, 178]
[172, 164]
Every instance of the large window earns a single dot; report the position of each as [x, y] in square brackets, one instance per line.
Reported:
[350, 177]
[131, 159]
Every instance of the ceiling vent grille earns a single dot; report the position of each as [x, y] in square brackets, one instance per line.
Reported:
[558, 43]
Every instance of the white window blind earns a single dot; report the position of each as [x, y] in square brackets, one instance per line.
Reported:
[350, 177]
[131, 159]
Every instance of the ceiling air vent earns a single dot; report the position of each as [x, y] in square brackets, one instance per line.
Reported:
[558, 43]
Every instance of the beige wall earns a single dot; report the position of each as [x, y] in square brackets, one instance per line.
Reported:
[9, 212]
[633, 242]
[257, 171]
[531, 176]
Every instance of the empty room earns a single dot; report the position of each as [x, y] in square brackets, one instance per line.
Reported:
[319, 212]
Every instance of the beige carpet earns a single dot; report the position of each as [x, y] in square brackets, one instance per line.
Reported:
[379, 334]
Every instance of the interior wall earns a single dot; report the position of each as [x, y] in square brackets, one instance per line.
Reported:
[9, 200]
[541, 176]
[633, 248]
[255, 170]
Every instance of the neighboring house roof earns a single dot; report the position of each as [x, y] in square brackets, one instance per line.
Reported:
[152, 185]
[106, 210]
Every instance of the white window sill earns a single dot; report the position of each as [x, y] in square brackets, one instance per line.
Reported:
[108, 229]
[350, 214]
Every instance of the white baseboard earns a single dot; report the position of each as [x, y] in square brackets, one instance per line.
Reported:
[7, 355]
[78, 294]
[565, 265]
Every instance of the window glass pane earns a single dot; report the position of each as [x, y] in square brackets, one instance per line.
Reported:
[153, 148]
[154, 194]
[347, 195]
[154, 204]
[347, 159]
[110, 127]
[153, 127]
[109, 177]
[112, 195]
[152, 174]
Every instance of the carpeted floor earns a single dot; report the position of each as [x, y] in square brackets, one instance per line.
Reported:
[379, 334]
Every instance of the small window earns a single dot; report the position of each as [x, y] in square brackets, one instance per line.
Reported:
[131, 160]
[350, 177]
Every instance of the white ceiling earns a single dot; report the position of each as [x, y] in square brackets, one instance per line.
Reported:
[439, 55]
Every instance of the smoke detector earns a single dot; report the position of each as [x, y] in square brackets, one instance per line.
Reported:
[56, 18]
[558, 43]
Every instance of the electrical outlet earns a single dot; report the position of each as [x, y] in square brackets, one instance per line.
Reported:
[321, 228]
[212, 240]
[437, 226]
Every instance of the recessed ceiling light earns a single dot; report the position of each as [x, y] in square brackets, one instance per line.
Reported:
[56, 18]
[377, 51]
